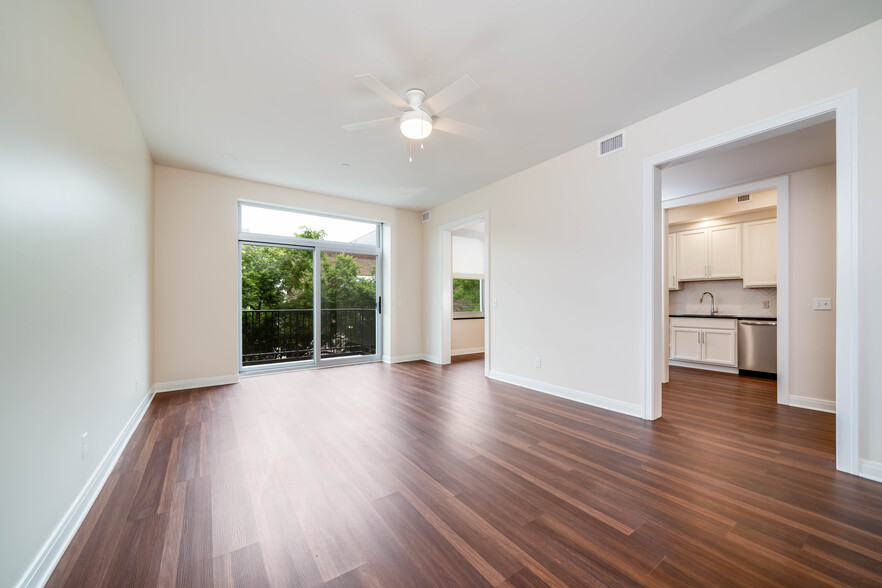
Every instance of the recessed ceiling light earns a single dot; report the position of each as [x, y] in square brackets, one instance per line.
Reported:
[231, 156]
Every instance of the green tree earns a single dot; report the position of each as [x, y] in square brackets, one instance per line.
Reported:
[261, 277]
[342, 287]
[281, 277]
[466, 295]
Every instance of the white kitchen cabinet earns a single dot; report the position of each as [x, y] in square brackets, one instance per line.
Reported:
[686, 343]
[709, 254]
[700, 340]
[719, 346]
[761, 254]
[692, 255]
[724, 252]
[673, 282]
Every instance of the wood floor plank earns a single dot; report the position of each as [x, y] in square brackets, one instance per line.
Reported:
[195, 566]
[423, 475]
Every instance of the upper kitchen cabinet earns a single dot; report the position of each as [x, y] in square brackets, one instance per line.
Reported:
[692, 255]
[707, 254]
[724, 252]
[760, 254]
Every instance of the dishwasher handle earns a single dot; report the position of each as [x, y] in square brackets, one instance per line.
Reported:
[769, 323]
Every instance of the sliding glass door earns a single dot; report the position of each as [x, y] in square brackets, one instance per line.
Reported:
[278, 323]
[307, 300]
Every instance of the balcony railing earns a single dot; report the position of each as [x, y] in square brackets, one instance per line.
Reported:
[275, 336]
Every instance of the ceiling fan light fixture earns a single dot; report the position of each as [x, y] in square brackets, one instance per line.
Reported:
[416, 124]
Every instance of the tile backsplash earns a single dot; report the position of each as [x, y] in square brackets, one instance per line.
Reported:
[730, 296]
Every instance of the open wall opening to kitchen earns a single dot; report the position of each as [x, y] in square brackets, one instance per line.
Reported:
[752, 259]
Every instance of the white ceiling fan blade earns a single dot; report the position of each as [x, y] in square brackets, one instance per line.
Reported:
[382, 91]
[450, 95]
[369, 123]
[449, 125]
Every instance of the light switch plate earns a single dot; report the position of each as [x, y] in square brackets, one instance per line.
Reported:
[822, 304]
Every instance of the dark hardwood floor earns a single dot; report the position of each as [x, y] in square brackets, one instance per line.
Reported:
[418, 475]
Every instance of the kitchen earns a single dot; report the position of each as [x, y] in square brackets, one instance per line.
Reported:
[722, 283]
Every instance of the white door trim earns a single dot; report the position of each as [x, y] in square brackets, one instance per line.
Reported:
[844, 108]
[446, 231]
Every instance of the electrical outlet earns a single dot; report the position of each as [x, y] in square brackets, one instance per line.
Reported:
[495, 303]
[84, 446]
[137, 385]
[822, 304]
[538, 362]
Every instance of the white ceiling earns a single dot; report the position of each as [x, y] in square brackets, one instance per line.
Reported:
[751, 160]
[268, 83]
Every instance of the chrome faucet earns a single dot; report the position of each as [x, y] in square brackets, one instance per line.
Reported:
[713, 305]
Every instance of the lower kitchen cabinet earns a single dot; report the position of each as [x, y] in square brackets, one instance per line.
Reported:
[700, 340]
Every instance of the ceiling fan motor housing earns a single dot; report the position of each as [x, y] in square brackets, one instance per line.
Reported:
[415, 97]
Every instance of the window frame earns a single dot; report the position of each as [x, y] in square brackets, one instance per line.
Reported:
[317, 246]
[471, 314]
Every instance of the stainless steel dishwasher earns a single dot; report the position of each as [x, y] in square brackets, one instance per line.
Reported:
[758, 346]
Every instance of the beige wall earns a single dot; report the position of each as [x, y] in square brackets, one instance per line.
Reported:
[197, 269]
[576, 222]
[466, 336]
[75, 319]
[813, 275]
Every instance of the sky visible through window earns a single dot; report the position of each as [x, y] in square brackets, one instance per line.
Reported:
[285, 223]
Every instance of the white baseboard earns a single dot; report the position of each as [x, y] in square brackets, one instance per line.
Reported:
[813, 403]
[627, 408]
[402, 358]
[41, 568]
[195, 383]
[703, 366]
[467, 351]
[432, 358]
[872, 470]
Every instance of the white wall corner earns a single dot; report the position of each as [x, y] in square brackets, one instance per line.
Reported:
[871, 470]
[433, 359]
[44, 564]
[603, 402]
[813, 403]
[195, 383]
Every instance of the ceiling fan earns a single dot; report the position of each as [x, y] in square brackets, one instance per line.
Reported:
[420, 116]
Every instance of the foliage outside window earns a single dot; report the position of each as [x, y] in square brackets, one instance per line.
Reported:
[467, 295]
[281, 278]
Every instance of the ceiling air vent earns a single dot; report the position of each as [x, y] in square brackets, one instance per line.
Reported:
[611, 144]
[742, 199]
[427, 215]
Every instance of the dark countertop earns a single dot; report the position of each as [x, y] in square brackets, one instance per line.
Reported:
[725, 316]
